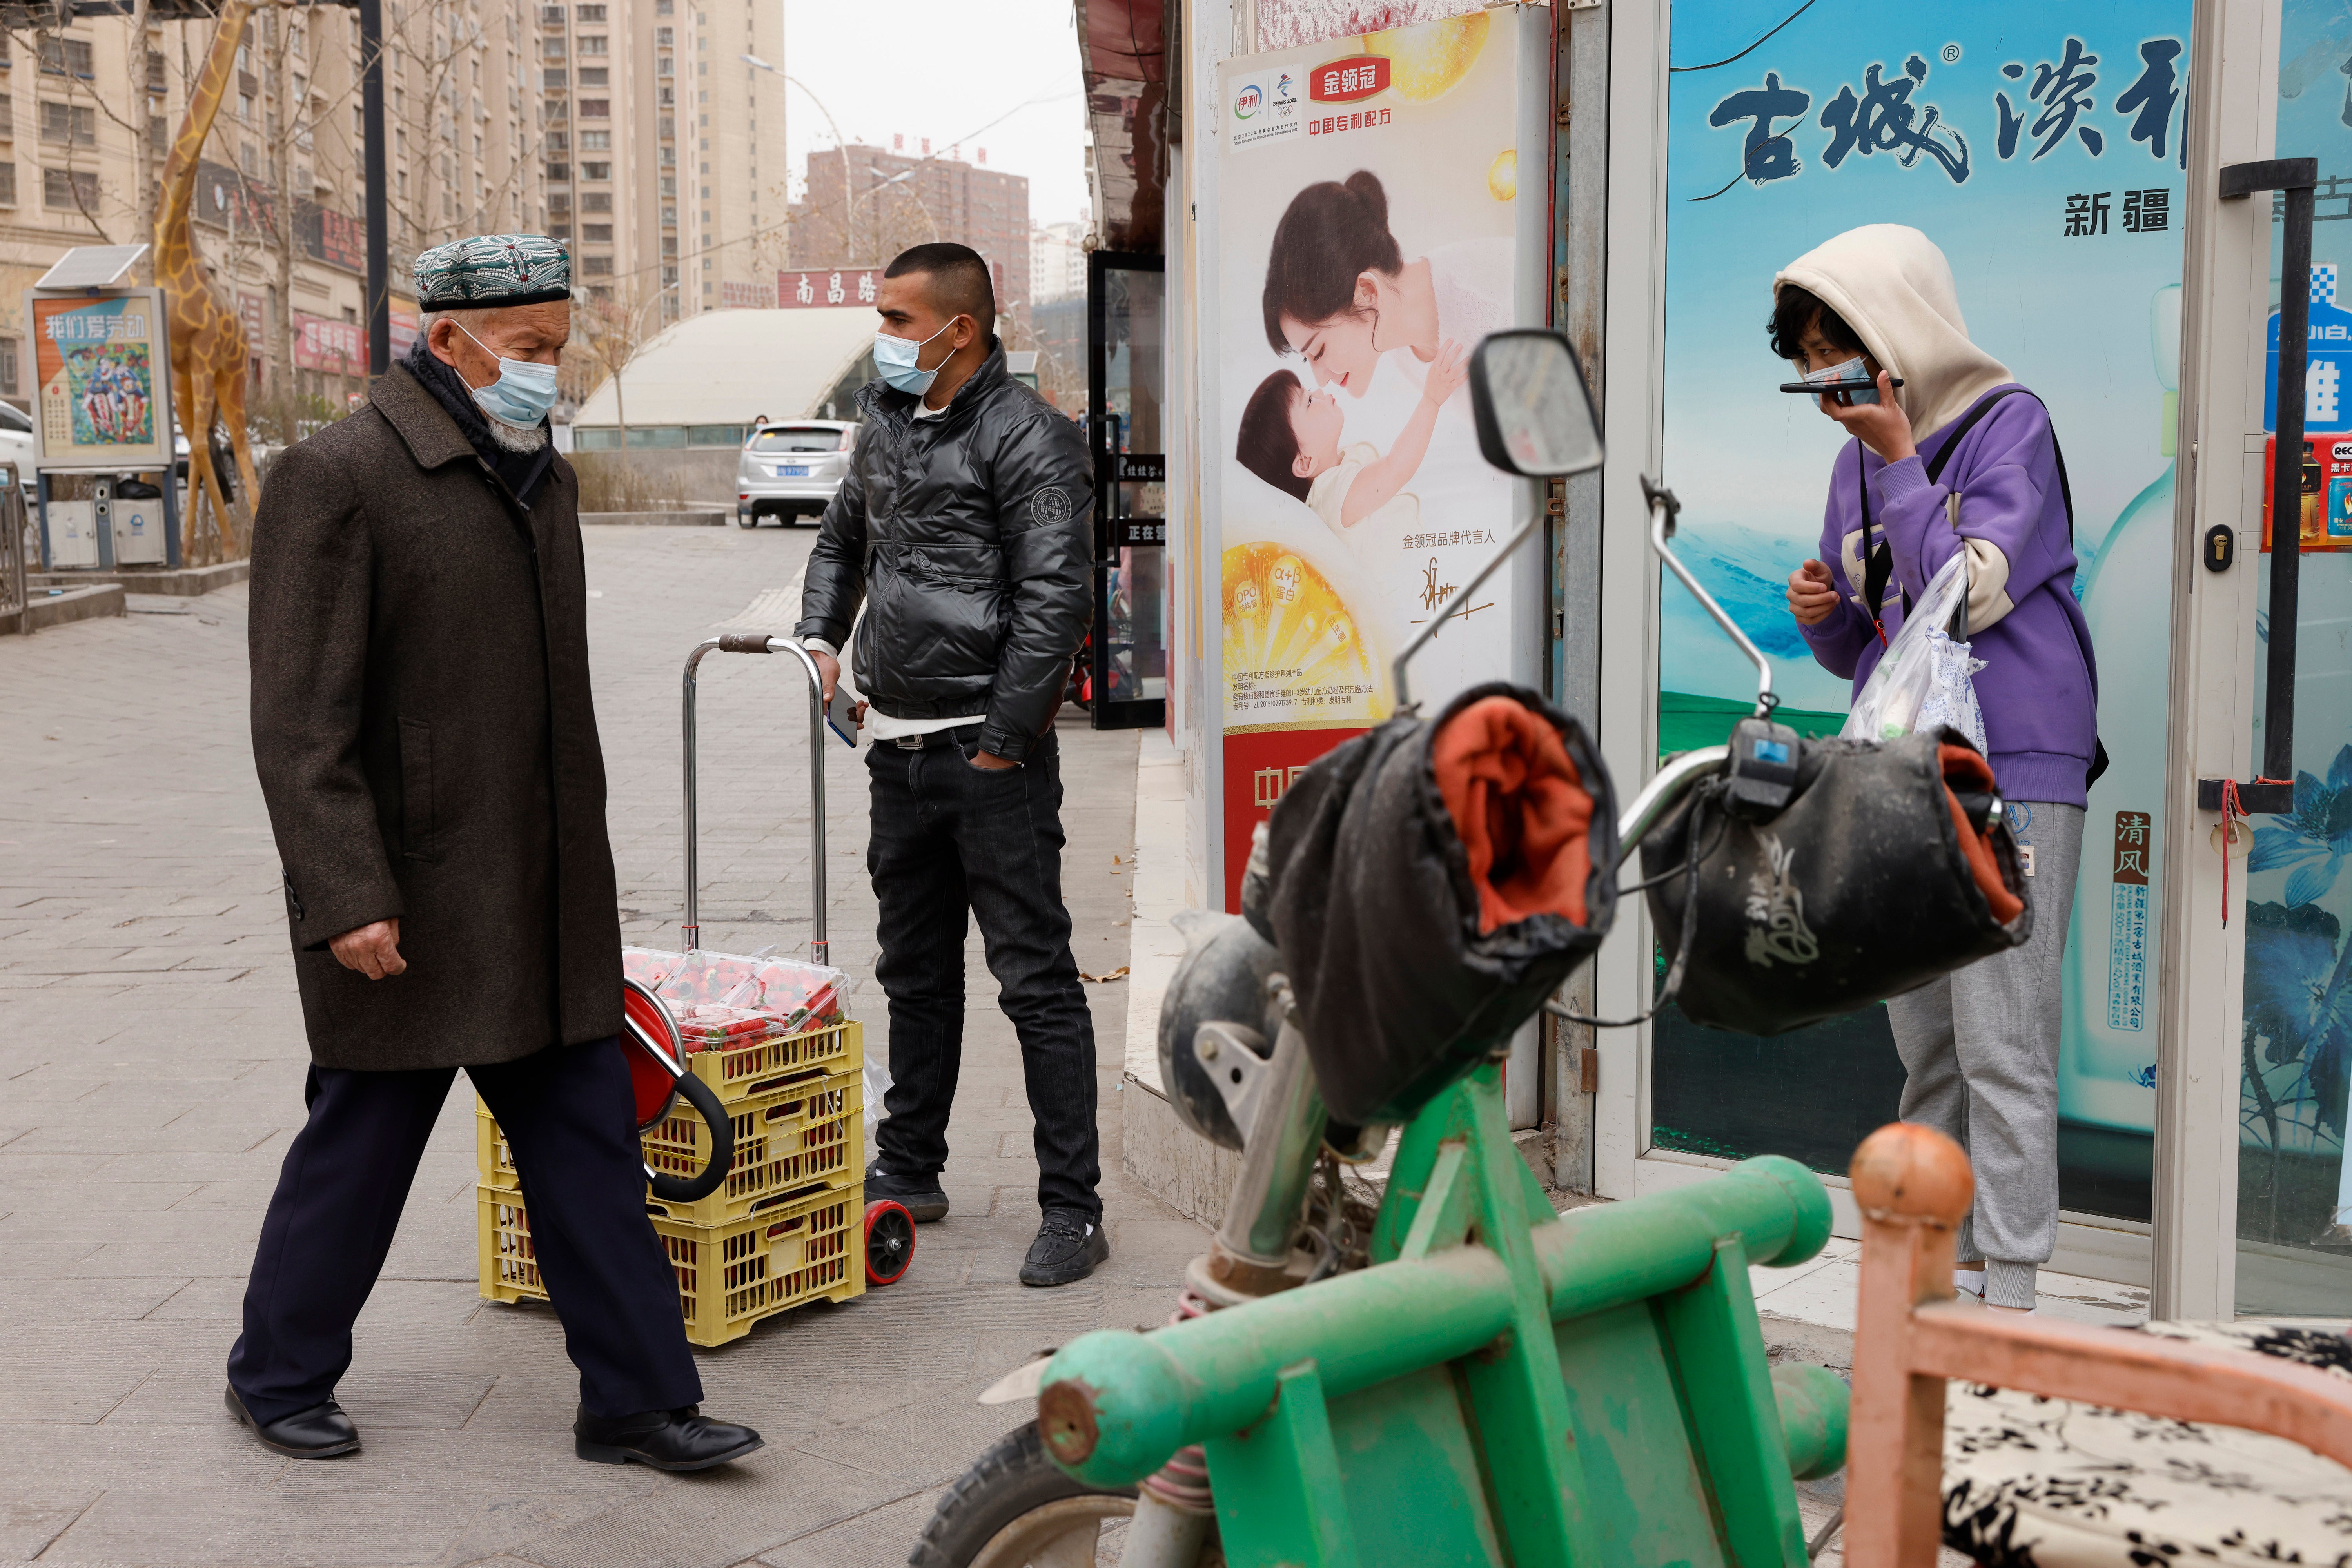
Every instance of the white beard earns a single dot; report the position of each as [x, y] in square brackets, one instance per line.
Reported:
[515, 437]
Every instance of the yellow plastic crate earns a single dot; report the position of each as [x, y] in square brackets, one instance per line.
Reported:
[786, 1065]
[750, 1069]
[807, 1134]
[729, 1276]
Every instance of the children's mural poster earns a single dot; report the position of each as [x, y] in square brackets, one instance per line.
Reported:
[99, 369]
[1372, 228]
[2042, 149]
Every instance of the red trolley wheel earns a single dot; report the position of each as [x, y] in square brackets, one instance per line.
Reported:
[889, 1241]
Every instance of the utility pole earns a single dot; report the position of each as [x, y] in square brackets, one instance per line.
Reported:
[379, 228]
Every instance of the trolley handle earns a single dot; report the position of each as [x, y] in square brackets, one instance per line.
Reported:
[690, 930]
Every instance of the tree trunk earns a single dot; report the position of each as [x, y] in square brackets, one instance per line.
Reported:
[281, 326]
[143, 109]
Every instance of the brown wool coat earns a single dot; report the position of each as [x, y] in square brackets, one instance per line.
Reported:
[426, 742]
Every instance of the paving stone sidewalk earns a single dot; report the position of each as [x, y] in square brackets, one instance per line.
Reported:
[151, 1072]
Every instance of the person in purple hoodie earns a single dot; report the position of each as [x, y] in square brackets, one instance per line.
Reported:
[1950, 456]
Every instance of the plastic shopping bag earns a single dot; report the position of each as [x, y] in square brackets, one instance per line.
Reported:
[1924, 681]
[877, 1079]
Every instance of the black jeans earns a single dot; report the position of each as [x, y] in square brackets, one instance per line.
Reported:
[570, 1118]
[948, 837]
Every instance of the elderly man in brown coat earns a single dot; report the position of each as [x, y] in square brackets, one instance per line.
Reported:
[428, 747]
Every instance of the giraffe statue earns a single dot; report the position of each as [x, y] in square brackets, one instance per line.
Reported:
[210, 353]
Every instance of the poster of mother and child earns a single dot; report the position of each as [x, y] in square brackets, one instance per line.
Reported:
[1371, 230]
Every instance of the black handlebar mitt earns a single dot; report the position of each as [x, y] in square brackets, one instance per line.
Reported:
[1872, 881]
[1430, 885]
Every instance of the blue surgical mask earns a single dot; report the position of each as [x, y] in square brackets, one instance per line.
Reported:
[523, 392]
[896, 357]
[1853, 378]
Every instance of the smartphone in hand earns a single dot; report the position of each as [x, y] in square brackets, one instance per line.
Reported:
[1849, 384]
[841, 715]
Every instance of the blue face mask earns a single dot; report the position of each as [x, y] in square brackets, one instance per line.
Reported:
[523, 392]
[896, 357]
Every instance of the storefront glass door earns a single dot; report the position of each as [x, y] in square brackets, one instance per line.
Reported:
[2294, 1208]
[1126, 324]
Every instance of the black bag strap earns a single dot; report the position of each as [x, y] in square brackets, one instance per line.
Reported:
[1881, 564]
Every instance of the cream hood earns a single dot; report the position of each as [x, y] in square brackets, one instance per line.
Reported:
[1893, 287]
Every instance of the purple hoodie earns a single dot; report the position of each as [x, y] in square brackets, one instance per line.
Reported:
[2040, 685]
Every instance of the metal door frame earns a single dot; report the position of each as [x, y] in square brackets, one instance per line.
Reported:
[1114, 531]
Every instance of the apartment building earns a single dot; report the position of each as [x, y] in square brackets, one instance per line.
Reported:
[864, 204]
[656, 121]
[88, 115]
[1057, 261]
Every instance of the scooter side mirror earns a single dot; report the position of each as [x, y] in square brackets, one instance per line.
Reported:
[1535, 416]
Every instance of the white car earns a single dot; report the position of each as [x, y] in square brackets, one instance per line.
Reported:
[17, 439]
[787, 470]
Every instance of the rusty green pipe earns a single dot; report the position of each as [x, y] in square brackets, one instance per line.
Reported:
[1610, 1254]
[1812, 1401]
[1116, 1404]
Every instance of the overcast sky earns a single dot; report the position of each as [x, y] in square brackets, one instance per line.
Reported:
[944, 68]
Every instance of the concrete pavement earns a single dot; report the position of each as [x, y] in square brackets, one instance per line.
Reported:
[152, 1067]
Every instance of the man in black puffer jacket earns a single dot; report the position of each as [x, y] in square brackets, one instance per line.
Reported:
[965, 527]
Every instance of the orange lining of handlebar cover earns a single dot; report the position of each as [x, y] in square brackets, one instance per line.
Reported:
[1973, 770]
[1521, 810]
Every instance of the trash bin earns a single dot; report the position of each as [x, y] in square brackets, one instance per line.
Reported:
[139, 524]
[73, 534]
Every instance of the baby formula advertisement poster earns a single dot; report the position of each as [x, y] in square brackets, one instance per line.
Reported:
[98, 366]
[2040, 149]
[1381, 204]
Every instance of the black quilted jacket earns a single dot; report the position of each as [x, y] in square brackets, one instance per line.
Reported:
[968, 538]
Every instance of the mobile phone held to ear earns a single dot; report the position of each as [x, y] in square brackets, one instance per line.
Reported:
[841, 716]
[1846, 382]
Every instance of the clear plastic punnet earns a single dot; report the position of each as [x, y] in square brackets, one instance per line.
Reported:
[723, 999]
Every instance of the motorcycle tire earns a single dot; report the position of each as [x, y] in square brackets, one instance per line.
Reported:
[1014, 1508]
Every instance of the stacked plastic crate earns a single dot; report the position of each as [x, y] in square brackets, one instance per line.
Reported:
[786, 1227]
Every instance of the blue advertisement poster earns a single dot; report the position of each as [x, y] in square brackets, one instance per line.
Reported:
[2039, 148]
[2294, 1189]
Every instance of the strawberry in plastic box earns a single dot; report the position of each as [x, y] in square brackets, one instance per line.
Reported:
[722, 1000]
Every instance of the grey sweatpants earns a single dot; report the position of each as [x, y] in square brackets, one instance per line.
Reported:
[1980, 1047]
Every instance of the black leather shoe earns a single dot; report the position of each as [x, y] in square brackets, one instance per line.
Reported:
[919, 1195]
[320, 1432]
[680, 1439]
[1068, 1246]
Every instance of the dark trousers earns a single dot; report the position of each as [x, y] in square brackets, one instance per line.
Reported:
[571, 1120]
[947, 838]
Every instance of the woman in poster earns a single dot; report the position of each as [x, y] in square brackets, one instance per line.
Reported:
[1341, 294]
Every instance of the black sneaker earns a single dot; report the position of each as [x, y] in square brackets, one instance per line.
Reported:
[1069, 1243]
[919, 1195]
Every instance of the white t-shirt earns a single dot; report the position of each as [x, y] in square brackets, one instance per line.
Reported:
[1327, 496]
[1472, 282]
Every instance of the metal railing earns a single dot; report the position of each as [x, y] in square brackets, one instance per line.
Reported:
[15, 607]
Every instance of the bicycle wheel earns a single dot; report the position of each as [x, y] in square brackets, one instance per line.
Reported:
[1014, 1509]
